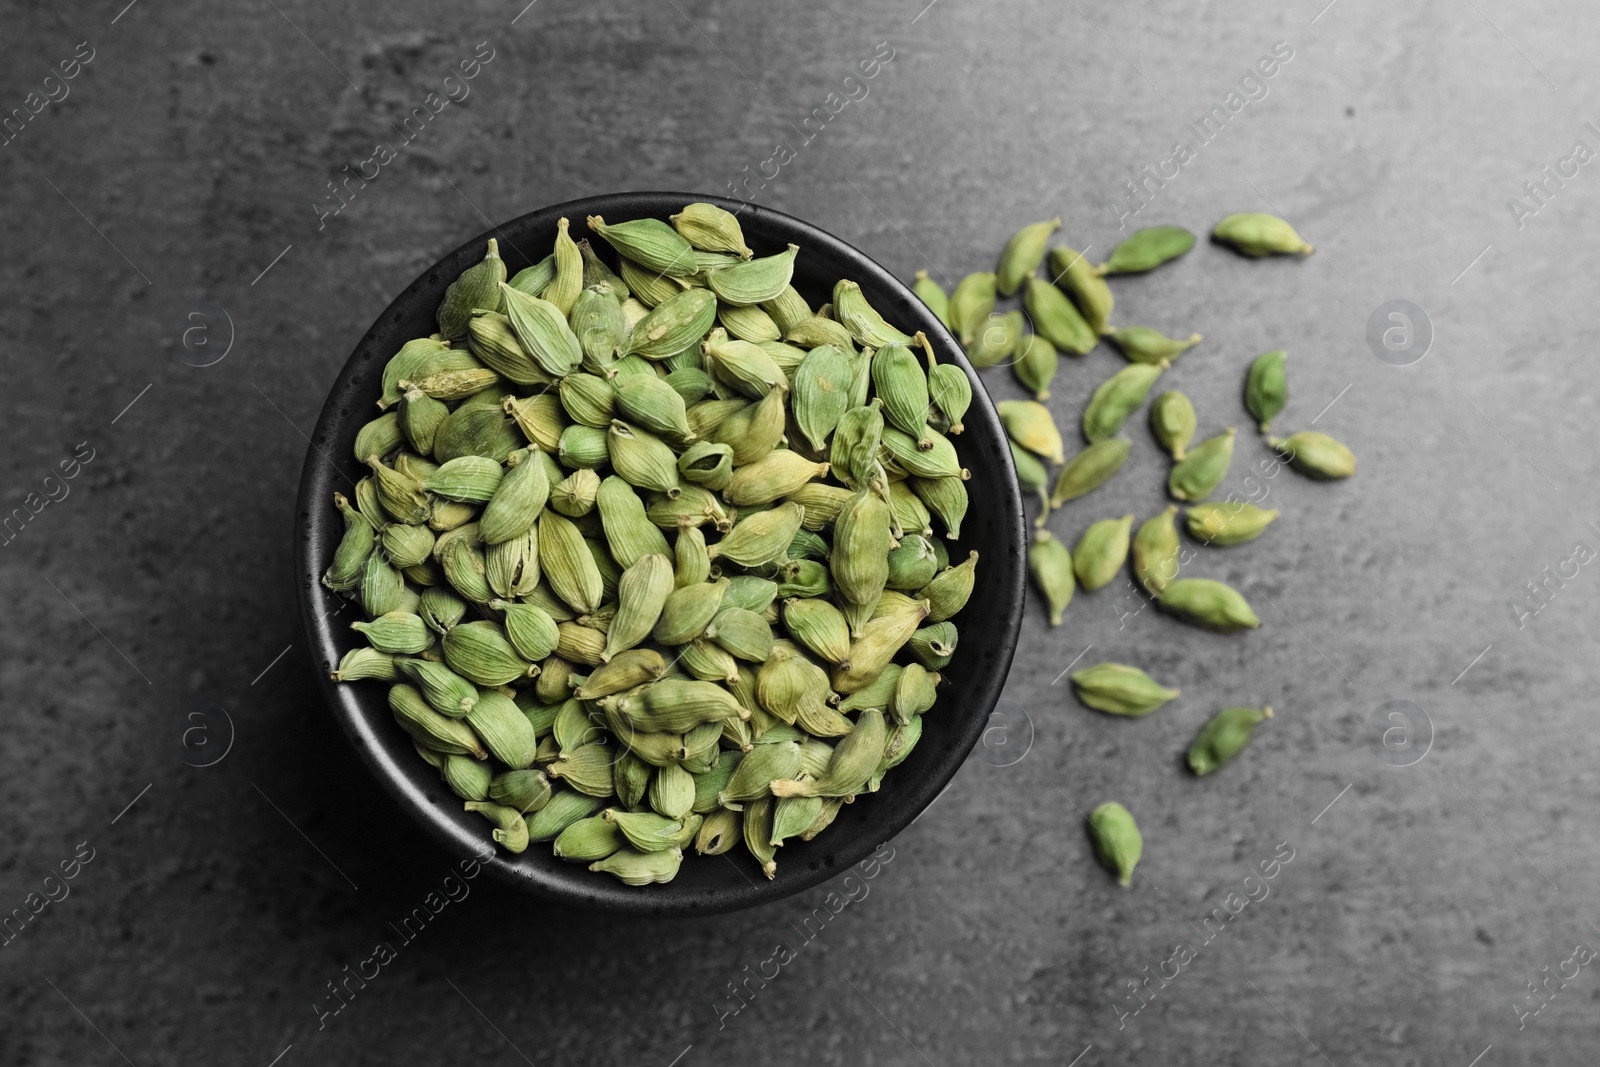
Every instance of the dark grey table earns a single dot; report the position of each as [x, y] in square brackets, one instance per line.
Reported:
[172, 197]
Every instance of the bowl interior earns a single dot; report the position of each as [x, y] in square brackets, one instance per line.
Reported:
[994, 526]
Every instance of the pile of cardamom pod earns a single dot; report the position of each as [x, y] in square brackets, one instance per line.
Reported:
[639, 549]
[1070, 312]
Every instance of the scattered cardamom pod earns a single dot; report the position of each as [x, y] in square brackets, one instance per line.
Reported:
[1223, 737]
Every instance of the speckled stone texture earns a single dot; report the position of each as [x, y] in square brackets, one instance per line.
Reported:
[184, 172]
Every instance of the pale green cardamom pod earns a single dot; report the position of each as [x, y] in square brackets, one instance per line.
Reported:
[1147, 249]
[1072, 272]
[379, 437]
[650, 243]
[1258, 235]
[1089, 469]
[672, 325]
[510, 832]
[1155, 550]
[1222, 738]
[1030, 424]
[900, 383]
[567, 283]
[1209, 604]
[971, 303]
[930, 293]
[754, 281]
[1101, 552]
[821, 393]
[1035, 365]
[1141, 344]
[711, 229]
[995, 339]
[1118, 397]
[1204, 467]
[1228, 523]
[1050, 563]
[1057, 319]
[1118, 689]
[542, 329]
[349, 559]
[1022, 255]
[1172, 421]
[1316, 454]
[1266, 388]
[478, 287]
[861, 319]
[1118, 845]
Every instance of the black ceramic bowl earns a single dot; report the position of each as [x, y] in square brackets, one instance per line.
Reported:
[994, 526]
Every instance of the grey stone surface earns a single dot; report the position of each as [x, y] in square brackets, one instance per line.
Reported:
[181, 173]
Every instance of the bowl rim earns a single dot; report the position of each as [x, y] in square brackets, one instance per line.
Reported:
[315, 532]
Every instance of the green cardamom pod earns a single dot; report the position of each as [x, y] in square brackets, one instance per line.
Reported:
[772, 477]
[597, 275]
[1141, 344]
[650, 243]
[1172, 421]
[420, 416]
[1155, 551]
[950, 589]
[711, 229]
[931, 457]
[1258, 235]
[378, 437]
[946, 497]
[467, 778]
[510, 832]
[562, 810]
[1228, 523]
[948, 388]
[588, 840]
[1050, 563]
[400, 495]
[995, 339]
[529, 628]
[1033, 478]
[971, 303]
[522, 791]
[1209, 604]
[575, 495]
[760, 537]
[856, 443]
[642, 458]
[1118, 397]
[673, 324]
[815, 330]
[467, 479]
[1030, 424]
[584, 446]
[1147, 249]
[821, 393]
[1226, 735]
[478, 287]
[539, 417]
[1101, 552]
[533, 280]
[1035, 365]
[754, 281]
[1316, 454]
[396, 632]
[914, 693]
[861, 319]
[349, 559]
[567, 564]
[586, 768]
[441, 608]
[407, 364]
[505, 731]
[515, 504]
[1089, 469]
[649, 288]
[1118, 689]
[1022, 255]
[494, 342]
[436, 732]
[445, 691]
[382, 588]
[601, 327]
[567, 282]
[861, 541]
[742, 366]
[1266, 388]
[1057, 319]
[653, 404]
[1204, 467]
[1118, 845]
[364, 662]
[1072, 272]
[641, 594]
[900, 383]
[929, 292]
[480, 652]
[707, 463]
[542, 329]
[934, 646]
[407, 546]
[742, 633]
